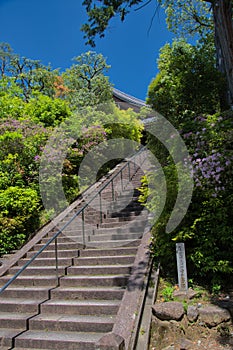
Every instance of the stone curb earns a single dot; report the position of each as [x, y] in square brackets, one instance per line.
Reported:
[128, 315]
[143, 338]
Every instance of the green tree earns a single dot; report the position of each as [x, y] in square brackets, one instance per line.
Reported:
[32, 76]
[11, 106]
[19, 216]
[5, 57]
[100, 12]
[187, 81]
[48, 111]
[86, 80]
[204, 17]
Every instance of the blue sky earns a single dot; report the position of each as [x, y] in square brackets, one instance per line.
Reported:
[49, 30]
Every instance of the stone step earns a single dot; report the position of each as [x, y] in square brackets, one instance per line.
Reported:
[24, 348]
[117, 227]
[94, 281]
[129, 195]
[39, 270]
[6, 336]
[125, 213]
[116, 223]
[82, 293]
[99, 270]
[73, 236]
[104, 260]
[112, 224]
[72, 323]
[51, 253]
[124, 218]
[113, 244]
[77, 226]
[20, 305]
[48, 281]
[80, 307]
[64, 239]
[128, 206]
[57, 340]
[46, 262]
[108, 234]
[26, 292]
[116, 251]
[100, 237]
[14, 320]
[133, 226]
[60, 246]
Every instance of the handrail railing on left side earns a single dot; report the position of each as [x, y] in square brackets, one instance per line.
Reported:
[80, 211]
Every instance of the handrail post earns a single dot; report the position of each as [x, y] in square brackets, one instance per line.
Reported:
[121, 181]
[56, 261]
[83, 228]
[100, 198]
[113, 194]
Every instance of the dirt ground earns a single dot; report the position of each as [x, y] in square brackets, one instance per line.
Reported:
[185, 335]
[181, 335]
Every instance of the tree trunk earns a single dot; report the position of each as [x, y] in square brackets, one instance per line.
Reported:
[222, 13]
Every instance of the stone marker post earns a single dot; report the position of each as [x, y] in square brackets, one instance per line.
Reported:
[181, 267]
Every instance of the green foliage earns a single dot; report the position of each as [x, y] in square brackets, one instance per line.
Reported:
[86, 82]
[183, 17]
[167, 293]
[19, 209]
[204, 18]
[207, 227]
[11, 107]
[47, 111]
[35, 104]
[20, 146]
[189, 17]
[100, 13]
[187, 81]
[90, 127]
[124, 124]
[31, 76]
[9, 88]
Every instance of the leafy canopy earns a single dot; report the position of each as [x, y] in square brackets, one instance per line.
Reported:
[187, 81]
[191, 16]
[86, 81]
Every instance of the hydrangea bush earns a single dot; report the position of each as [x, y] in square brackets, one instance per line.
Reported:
[207, 228]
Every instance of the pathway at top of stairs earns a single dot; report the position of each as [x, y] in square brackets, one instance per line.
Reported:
[74, 309]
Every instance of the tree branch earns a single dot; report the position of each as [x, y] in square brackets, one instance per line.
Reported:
[142, 6]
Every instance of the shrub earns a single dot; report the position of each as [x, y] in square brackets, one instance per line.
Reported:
[19, 216]
[207, 228]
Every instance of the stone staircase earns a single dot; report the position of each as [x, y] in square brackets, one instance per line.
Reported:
[72, 300]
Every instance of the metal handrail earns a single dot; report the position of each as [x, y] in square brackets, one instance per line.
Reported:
[81, 210]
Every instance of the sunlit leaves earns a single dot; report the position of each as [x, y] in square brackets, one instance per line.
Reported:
[187, 81]
[86, 81]
[189, 17]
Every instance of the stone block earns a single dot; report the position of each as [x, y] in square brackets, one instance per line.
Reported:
[213, 315]
[171, 310]
[192, 313]
[110, 341]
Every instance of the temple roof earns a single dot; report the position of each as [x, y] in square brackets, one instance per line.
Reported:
[126, 101]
